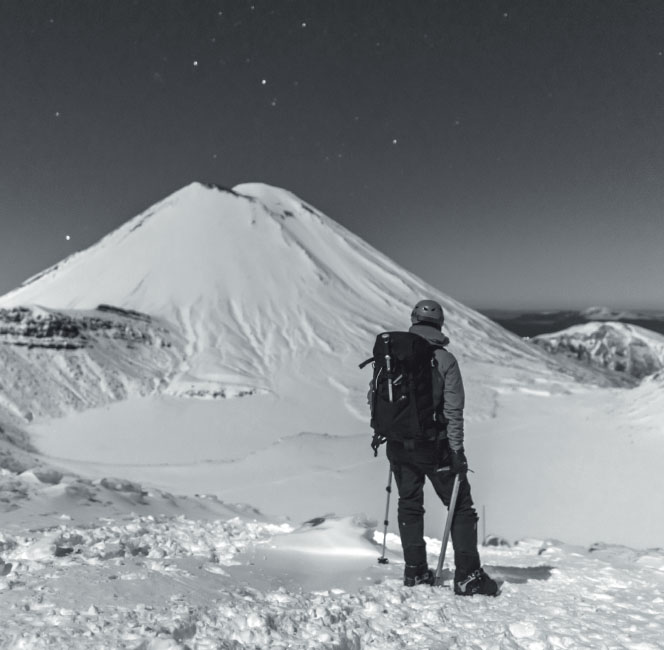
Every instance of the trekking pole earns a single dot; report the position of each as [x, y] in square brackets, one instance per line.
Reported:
[382, 559]
[390, 398]
[446, 534]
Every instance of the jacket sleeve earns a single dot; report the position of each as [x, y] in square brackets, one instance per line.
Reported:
[453, 398]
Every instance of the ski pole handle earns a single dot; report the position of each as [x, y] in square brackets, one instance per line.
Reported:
[388, 365]
[390, 391]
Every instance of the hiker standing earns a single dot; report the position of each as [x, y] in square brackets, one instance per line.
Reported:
[438, 454]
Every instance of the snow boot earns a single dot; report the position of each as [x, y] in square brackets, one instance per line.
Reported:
[477, 582]
[418, 575]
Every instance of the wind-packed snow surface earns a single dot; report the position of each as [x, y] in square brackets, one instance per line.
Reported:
[159, 581]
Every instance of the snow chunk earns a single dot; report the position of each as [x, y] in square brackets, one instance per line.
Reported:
[522, 630]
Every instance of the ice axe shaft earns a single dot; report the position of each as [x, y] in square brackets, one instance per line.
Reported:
[446, 532]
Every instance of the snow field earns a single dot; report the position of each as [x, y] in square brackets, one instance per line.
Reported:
[168, 582]
[561, 441]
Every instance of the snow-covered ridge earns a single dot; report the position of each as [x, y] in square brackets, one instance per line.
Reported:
[39, 327]
[607, 314]
[56, 361]
[627, 349]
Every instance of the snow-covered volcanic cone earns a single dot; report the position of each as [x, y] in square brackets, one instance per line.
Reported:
[271, 296]
[629, 349]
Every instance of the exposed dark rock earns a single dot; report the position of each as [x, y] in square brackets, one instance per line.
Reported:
[62, 551]
[121, 485]
[48, 476]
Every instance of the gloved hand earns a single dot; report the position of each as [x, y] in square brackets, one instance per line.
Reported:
[376, 442]
[458, 462]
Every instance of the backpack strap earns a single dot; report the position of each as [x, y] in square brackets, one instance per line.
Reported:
[434, 368]
[366, 363]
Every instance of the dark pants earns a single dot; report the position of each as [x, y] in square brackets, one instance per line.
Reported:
[410, 467]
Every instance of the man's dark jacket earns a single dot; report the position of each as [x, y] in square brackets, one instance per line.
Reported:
[453, 398]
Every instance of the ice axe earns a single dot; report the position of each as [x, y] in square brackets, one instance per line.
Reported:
[448, 526]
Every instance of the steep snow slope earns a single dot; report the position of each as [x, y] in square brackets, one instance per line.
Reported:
[628, 349]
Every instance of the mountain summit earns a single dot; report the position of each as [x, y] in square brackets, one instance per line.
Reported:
[259, 283]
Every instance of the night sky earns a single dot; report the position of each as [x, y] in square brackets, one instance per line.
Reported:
[509, 152]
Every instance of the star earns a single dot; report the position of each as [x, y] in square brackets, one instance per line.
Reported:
[394, 141]
[67, 237]
[195, 64]
[57, 113]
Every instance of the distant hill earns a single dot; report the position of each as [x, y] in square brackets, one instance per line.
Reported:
[615, 346]
[533, 323]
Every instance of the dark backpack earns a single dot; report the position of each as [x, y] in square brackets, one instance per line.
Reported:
[405, 389]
